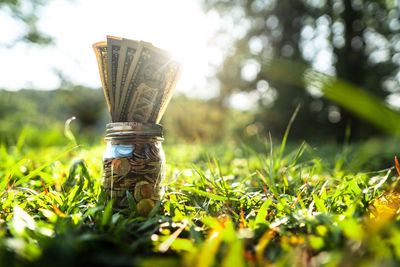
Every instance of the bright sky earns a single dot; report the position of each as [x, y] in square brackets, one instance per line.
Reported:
[179, 26]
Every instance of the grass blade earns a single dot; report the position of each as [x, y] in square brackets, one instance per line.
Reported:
[38, 170]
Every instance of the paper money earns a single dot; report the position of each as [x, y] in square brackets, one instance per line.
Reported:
[127, 53]
[152, 74]
[174, 70]
[113, 48]
[127, 91]
[138, 79]
[100, 50]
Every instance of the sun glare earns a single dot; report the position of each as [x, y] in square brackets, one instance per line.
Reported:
[188, 39]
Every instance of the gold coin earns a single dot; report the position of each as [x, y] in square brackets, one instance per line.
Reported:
[144, 207]
[138, 194]
[121, 166]
[147, 190]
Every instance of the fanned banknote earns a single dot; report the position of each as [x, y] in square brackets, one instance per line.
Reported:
[100, 50]
[127, 54]
[151, 76]
[138, 79]
[113, 48]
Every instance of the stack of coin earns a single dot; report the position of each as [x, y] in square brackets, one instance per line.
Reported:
[140, 173]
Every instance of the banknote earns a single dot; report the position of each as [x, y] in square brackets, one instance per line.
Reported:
[152, 74]
[138, 79]
[129, 66]
[143, 100]
[174, 70]
[100, 50]
[113, 48]
[127, 89]
[127, 53]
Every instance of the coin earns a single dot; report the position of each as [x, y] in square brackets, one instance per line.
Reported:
[147, 190]
[134, 171]
[121, 166]
[125, 150]
[138, 194]
[144, 207]
[149, 178]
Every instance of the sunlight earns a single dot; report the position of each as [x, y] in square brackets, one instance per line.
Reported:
[188, 39]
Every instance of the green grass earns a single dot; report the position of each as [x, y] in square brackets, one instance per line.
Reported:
[228, 205]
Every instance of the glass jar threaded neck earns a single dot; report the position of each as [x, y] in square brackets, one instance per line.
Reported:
[122, 132]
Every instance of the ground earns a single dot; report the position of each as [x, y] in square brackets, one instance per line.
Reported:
[227, 204]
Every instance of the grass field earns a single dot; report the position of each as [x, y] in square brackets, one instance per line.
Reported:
[227, 204]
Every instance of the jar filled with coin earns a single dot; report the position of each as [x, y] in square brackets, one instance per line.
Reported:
[134, 162]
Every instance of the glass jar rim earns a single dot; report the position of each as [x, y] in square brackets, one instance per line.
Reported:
[133, 130]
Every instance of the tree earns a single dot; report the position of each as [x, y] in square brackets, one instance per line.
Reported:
[356, 40]
[26, 11]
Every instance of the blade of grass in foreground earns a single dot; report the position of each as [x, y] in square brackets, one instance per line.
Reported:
[38, 170]
[9, 174]
[207, 194]
[283, 145]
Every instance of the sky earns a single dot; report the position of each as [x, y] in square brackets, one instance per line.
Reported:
[179, 26]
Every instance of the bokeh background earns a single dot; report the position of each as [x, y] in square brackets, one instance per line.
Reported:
[248, 64]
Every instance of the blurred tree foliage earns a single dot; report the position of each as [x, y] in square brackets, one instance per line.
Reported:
[192, 120]
[355, 40]
[39, 117]
[26, 11]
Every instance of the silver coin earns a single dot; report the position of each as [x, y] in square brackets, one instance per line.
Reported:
[125, 150]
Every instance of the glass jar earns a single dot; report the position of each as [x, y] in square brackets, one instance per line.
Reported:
[134, 161]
